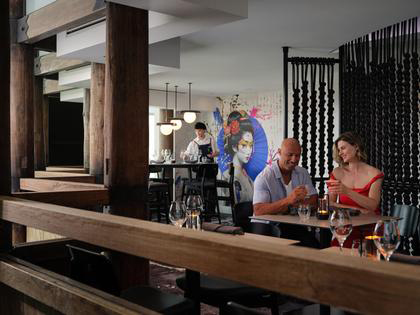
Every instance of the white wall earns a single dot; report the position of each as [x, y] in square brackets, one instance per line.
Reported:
[33, 5]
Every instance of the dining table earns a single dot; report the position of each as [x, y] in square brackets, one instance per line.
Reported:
[320, 228]
[179, 164]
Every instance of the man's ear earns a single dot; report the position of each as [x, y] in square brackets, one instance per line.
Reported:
[235, 149]
[279, 152]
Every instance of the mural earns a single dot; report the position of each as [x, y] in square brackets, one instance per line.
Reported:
[242, 141]
[248, 132]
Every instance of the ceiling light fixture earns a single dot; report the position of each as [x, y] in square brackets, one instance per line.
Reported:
[176, 120]
[190, 115]
[165, 126]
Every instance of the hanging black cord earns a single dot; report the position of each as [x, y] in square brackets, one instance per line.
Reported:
[314, 149]
[305, 118]
[322, 126]
[296, 99]
[415, 156]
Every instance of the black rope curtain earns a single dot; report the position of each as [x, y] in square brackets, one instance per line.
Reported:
[313, 114]
[380, 101]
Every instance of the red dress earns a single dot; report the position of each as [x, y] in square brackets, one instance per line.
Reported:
[346, 200]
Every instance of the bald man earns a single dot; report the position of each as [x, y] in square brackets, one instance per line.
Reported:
[284, 183]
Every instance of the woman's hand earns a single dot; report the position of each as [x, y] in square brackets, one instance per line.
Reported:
[337, 187]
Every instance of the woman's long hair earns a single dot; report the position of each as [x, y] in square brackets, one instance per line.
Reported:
[237, 124]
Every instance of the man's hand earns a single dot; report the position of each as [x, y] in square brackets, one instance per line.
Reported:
[298, 194]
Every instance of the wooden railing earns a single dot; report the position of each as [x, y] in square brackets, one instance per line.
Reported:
[351, 283]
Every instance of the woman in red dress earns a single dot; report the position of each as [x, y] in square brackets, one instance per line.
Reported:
[356, 183]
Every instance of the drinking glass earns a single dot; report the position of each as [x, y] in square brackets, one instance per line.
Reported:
[340, 225]
[167, 155]
[194, 208]
[304, 212]
[387, 237]
[178, 213]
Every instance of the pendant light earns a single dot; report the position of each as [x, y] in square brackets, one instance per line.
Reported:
[190, 115]
[176, 120]
[165, 126]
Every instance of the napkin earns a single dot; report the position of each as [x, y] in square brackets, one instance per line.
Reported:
[212, 227]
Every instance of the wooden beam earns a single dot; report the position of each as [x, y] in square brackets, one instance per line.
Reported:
[127, 125]
[86, 131]
[351, 283]
[36, 184]
[21, 111]
[61, 293]
[64, 176]
[74, 198]
[96, 128]
[46, 128]
[58, 16]
[50, 64]
[52, 87]
[5, 183]
[39, 145]
[67, 169]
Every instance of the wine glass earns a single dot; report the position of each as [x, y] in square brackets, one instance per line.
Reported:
[387, 237]
[167, 155]
[340, 225]
[304, 212]
[194, 208]
[178, 213]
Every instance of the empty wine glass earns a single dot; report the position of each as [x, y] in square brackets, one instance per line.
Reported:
[387, 237]
[340, 225]
[178, 213]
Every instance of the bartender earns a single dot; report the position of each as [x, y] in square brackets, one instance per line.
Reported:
[203, 144]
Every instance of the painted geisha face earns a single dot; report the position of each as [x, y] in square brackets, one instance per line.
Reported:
[245, 147]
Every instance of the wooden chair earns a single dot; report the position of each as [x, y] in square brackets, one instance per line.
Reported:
[96, 270]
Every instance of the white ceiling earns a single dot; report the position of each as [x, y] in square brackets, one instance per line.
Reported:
[246, 55]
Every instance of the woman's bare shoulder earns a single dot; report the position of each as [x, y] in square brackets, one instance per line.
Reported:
[371, 170]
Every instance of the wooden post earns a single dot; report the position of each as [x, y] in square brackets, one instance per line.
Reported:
[86, 115]
[96, 127]
[5, 183]
[126, 119]
[46, 124]
[21, 110]
[39, 144]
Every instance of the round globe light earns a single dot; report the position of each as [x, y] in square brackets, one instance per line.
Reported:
[190, 117]
[177, 122]
[166, 129]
